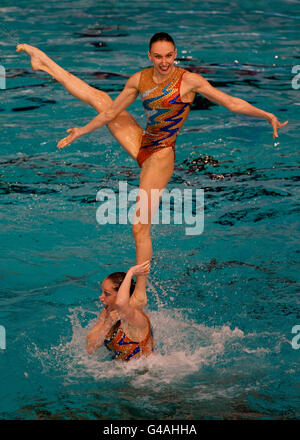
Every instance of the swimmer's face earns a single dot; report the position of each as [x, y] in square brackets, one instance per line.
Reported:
[108, 295]
[162, 54]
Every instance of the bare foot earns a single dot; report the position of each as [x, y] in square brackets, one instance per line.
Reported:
[38, 58]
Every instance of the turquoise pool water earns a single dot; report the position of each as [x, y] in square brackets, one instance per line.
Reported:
[223, 304]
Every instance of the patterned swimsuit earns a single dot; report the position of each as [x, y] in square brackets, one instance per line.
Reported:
[124, 348]
[165, 111]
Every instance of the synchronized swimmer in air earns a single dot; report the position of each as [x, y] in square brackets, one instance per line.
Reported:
[167, 92]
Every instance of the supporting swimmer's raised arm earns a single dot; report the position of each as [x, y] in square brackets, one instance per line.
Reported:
[123, 100]
[198, 84]
[125, 307]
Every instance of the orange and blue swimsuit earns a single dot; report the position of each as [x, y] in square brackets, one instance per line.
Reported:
[165, 112]
[124, 348]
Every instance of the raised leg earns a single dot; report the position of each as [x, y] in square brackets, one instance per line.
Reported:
[124, 127]
[156, 173]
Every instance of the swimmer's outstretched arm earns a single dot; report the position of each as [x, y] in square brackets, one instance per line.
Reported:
[125, 98]
[198, 84]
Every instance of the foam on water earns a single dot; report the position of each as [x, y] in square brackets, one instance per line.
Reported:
[181, 348]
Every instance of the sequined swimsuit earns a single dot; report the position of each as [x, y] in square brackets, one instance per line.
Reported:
[165, 111]
[124, 348]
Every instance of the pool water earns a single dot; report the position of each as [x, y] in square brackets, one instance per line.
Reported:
[223, 304]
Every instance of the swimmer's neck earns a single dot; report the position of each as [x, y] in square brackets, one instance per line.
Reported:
[159, 77]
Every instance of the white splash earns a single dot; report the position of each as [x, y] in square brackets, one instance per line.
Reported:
[181, 348]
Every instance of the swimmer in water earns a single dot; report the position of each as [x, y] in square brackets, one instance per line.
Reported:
[121, 326]
[167, 92]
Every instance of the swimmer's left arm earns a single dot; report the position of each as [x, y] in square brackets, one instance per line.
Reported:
[198, 84]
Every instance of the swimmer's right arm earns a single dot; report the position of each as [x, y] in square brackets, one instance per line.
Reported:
[125, 98]
[96, 336]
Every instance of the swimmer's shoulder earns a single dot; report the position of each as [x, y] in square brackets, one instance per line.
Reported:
[191, 78]
[136, 78]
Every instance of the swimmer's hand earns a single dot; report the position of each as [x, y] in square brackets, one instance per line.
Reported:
[140, 269]
[114, 316]
[276, 124]
[75, 133]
